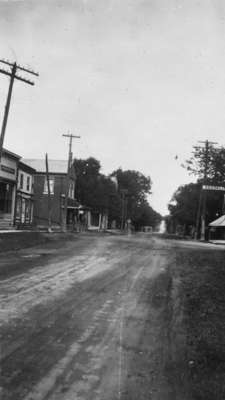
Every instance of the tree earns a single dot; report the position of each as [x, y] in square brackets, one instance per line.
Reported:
[95, 190]
[135, 182]
[146, 216]
[101, 194]
[212, 163]
[184, 206]
[87, 174]
[137, 187]
[208, 165]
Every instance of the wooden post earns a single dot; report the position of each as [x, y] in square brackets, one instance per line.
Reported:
[198, 215]
[6, 112]
[71, 137]
[223, 208]
[100, 222]
[123, 192]
[49, 194]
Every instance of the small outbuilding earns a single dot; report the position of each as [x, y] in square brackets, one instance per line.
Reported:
[217, 229]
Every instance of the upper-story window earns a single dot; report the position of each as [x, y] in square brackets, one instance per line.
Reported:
[21, 181]
[71, 190]
[28, 183]
[51, 186]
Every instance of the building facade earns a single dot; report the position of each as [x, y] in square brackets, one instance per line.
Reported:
[8, 187]
[97, 221]
[24, 196]
[55, 203]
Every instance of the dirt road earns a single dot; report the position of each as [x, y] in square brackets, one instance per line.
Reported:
[101, 318]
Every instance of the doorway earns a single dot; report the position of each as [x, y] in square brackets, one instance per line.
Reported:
[6, 195]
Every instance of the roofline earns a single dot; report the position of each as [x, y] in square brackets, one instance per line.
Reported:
[41, 172]
[215, 224]
[50, 173]
[26, 166]
[11, 153]
[42, 159]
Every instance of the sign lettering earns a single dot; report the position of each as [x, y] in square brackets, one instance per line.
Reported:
[9, 170]
[208, 187]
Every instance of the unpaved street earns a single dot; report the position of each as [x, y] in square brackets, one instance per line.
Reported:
[99, 318]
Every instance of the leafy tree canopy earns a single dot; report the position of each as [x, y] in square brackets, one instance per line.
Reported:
[184, 204]
[145, 215]
[214, 162]
[137, 184]
[185, 201]
[137, 187]
[94, 189]
[101, 193]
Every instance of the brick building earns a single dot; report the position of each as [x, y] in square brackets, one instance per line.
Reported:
[57, 180]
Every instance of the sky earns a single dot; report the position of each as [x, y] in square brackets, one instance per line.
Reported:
[141, 81]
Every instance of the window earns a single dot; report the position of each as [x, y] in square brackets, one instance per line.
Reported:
[18, 207]
[21, 181]
[28, 183]
[51, 185]
[71, 190]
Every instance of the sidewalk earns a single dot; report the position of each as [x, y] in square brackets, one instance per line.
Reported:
[14, 239]
[222, 242]
[199, 244]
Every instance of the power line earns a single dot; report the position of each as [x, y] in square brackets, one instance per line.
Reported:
[30, 71]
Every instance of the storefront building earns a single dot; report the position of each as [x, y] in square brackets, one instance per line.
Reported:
[8, 183]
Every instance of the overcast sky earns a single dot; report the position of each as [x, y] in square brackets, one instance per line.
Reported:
[140, 80]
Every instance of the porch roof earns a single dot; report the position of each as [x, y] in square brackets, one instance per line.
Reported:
[218, 222]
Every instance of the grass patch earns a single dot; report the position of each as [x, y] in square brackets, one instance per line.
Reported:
[202, 287]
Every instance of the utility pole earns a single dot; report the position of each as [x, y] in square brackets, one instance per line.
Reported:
[12, 73]
[70, 158]
[223, 207]
[124, 207]
[203, 196]
[198, 214]
[49, 194]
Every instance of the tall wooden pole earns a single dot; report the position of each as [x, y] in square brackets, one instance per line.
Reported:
[49, 194]
[69, 165]
[204, 194]
[14, 67]
[123, 216]
[198, 214]
[223, 207]
[203, 217]
[6, 113]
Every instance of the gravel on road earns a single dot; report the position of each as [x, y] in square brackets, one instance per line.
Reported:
[113, 317]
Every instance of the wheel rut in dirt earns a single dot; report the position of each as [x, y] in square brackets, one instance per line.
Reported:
[114, 330]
